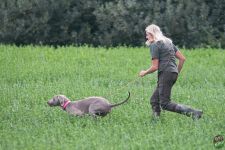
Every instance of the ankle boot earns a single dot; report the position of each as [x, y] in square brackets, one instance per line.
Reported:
[156, 111]
[155, 115]
[190, 112]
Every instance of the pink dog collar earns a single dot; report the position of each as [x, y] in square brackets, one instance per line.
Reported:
[65, 104]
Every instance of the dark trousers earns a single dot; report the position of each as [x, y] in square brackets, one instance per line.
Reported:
[162, 93]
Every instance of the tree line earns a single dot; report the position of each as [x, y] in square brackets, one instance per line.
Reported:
[189, 23]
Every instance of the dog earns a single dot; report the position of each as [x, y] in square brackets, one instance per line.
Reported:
[94, 106]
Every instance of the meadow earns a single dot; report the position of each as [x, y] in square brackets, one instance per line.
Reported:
[31, 75]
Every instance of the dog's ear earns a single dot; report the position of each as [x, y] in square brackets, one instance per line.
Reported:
[55, 98]
[61, 100]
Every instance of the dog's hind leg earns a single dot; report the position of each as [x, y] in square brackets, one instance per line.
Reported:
[97, 110]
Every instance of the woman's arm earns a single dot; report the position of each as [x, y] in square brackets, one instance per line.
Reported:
[153, 68]
[181, 59]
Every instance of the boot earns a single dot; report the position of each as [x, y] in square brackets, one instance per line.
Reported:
[194, 113]
[156, 111]
[155, 114]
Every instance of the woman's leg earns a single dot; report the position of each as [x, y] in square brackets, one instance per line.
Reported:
[154, 101]
[166, 82]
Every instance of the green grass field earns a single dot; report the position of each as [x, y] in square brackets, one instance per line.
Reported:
[30, 76]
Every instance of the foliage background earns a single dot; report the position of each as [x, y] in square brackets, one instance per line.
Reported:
[192, 23]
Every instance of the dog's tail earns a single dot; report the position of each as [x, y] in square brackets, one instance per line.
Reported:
[114, 105]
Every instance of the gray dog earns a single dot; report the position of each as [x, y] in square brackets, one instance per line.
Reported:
[94, 106]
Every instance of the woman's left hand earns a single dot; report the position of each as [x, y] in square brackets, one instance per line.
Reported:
[142, 73]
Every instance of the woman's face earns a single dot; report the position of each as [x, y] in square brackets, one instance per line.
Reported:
[149, 37]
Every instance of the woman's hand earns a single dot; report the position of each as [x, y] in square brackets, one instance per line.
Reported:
[142, 73]
[153, 68]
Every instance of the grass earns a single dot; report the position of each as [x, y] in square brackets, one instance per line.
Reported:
[31, 75]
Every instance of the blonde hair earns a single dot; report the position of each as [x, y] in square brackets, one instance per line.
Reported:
[157, 34]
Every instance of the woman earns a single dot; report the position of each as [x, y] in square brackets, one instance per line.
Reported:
[164, 54]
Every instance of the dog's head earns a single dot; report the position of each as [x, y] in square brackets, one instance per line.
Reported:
[57, 100]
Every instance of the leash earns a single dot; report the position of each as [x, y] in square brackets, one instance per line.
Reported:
[143, 91]
[123, 87]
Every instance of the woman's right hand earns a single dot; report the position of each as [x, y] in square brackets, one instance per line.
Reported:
[142, 73]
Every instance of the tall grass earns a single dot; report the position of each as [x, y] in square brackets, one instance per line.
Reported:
[31, 75]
